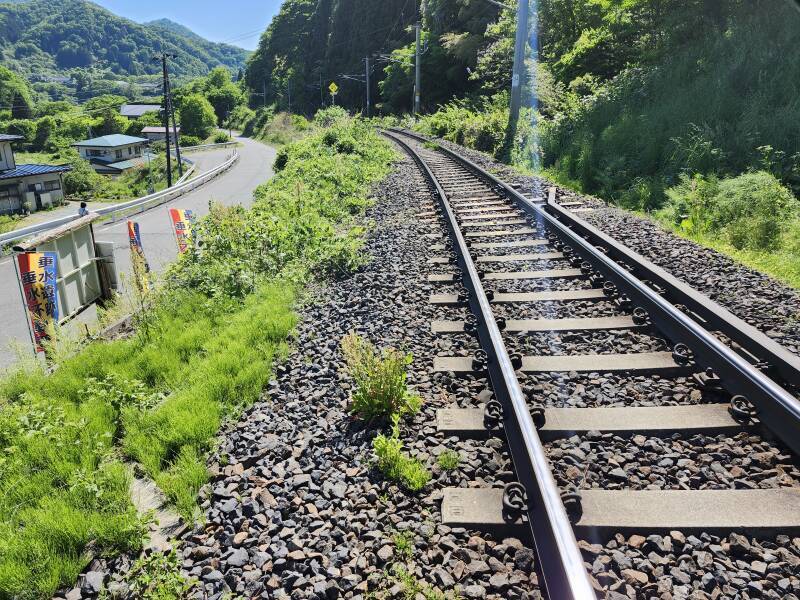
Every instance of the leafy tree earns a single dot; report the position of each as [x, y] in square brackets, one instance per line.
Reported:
[224, 99]
[15, 92]
[197, 116]
[45, 127]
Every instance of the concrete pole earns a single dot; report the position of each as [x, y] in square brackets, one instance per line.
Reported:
[519, 63]
[418, 70]
[165, 103]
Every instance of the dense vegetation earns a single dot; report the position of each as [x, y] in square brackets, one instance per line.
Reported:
[203, 350]
[645, 102]
[98, 51]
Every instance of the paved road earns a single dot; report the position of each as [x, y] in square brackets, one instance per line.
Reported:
[235, 186]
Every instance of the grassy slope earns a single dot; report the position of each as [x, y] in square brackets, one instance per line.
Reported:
[204, 352]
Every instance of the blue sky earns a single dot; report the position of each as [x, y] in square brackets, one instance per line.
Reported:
[238, 22]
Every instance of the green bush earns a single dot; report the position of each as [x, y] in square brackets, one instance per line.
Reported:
[190, 140]
[220, 138]
[326, 117]
[380, 380]
[197, 116]
[300, 223]
[752, 211]
[449, 460]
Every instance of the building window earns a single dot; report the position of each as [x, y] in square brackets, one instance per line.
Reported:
[9, 199]
[130, 150]
[50, 186]
[95, 152]
[118, 154]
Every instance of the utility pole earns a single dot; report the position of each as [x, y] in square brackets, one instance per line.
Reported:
[367, 59]
[174, 123]
[418, 70]
[519, 63]
[165, 105]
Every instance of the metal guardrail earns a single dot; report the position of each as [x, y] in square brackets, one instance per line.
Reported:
[207, 146]
[125, 209]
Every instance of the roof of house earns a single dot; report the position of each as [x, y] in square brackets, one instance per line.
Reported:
[122, 165]
[111, 141]
[28, 170]
[153, 129]
[7, 137]
[137, 110]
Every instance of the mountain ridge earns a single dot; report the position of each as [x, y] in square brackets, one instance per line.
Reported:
[42, 37]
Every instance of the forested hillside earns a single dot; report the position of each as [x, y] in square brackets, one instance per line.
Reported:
[41, 39]
[313, 42]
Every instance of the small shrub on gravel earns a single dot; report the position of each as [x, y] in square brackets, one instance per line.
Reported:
[380, 380]
[158, 577]
[412, 589]
[449, 460]
[403, 544]
[397, 465]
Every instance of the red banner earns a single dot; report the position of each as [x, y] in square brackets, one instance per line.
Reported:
[182, 221]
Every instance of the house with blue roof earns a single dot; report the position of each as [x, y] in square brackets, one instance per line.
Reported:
[29, 187]
[116, 153]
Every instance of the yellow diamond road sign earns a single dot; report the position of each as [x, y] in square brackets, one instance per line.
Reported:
[333, 88]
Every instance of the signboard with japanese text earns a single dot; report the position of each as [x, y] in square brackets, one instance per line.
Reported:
[37, 274]
[182, 221]
[140, 266]
[135, 238]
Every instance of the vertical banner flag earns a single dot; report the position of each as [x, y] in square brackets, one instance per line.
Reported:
[140, 266]
[37, 273]
[135, 238]
[182, 221]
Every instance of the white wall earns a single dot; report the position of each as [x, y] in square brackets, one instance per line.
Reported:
[6, 156]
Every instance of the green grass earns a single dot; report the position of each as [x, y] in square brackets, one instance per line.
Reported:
[449, 460]
[404, 544]
[202, 353]
[396, 464]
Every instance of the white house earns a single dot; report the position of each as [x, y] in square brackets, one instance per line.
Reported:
[29, 187]
[156, 134]
[114, 154]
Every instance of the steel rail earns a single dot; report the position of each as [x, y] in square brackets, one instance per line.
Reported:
[560, 560]
[776, 408]
[714, 316]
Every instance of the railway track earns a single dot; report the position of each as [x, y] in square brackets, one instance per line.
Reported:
[553, 300]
